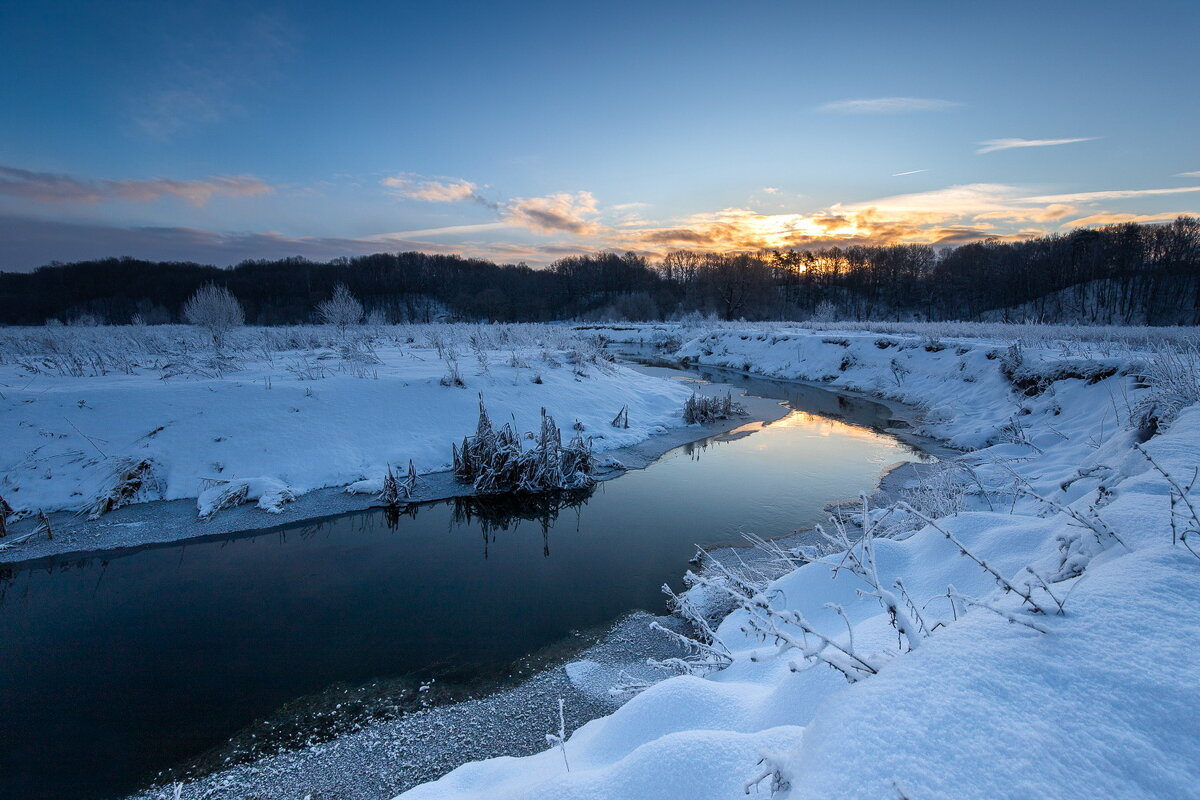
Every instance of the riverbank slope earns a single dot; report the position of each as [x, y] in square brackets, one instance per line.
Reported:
[1020, 625]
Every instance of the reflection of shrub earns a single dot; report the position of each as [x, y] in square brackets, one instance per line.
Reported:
[495, 461]
[501, 512]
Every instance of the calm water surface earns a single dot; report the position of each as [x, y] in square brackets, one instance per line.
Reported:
[113, 668]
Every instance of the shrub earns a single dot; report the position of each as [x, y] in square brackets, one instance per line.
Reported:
[215, 309]
[341, 310]
[495, 461]
[699, 410]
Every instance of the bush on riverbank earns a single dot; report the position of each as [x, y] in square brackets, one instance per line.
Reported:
[495, 461]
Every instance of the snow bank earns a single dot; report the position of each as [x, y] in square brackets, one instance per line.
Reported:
[1054, 499]
[286, 411]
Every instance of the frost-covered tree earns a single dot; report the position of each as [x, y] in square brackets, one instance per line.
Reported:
[342, 309]
[215, 309]
[824, 312]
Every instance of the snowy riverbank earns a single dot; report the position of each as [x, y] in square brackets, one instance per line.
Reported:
[127, 417]
[955, 676]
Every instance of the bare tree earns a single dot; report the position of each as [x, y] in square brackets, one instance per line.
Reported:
[342, 309]
[215, 309]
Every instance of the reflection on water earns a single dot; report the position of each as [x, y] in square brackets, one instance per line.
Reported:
[114, 668]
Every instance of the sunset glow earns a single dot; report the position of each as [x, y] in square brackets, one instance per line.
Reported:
[229, 132]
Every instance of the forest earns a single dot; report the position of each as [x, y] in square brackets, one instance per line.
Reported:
[1120, 274]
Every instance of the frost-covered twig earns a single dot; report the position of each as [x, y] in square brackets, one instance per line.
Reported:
[1000, 612]
[858, 557]
[628, 686]
[1180, 494]
[962, 549]
[708, 652]
[90, 440]
[1093, 521]
[560, 739]
[1046, 588]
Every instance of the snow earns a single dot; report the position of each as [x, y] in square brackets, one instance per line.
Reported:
[1103, 703]
[288, 411]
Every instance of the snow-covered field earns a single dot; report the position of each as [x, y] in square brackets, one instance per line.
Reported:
[1021, 624]
[1018, 622]
[148, 413]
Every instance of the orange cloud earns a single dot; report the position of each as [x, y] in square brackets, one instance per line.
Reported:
[951, 215]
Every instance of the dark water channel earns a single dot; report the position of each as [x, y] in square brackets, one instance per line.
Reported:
[114, 668]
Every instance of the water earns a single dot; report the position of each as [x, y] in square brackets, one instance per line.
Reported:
[112, 669]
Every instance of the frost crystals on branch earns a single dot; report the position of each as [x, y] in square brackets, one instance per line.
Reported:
[1185, 520]
[706, 653]
[1025, 594]
[858, 557]
[560, 739]
[786, 629]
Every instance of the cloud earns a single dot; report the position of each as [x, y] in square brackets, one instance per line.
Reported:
[951, 215]
[1195, 174]
[993, 145]
[557, 213]
[910, 172]
[1117, 219]
[47, 187]
[538, 230]
[887, 105]
[1115, 194]
[28, 243]
[449, 230]
[431, 190]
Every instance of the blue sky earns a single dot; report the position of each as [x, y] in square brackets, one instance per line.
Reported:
[218, 131]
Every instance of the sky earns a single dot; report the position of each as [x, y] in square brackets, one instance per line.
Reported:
[522, 132]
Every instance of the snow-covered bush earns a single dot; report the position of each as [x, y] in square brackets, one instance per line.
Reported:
[270, 493]
[341, 310]
[215, 309]
[495, 461]
[824, 312]
[700, 409]
[1173, 373]
[131, 480]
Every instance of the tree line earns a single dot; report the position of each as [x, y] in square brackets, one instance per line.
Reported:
[1127, 273]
